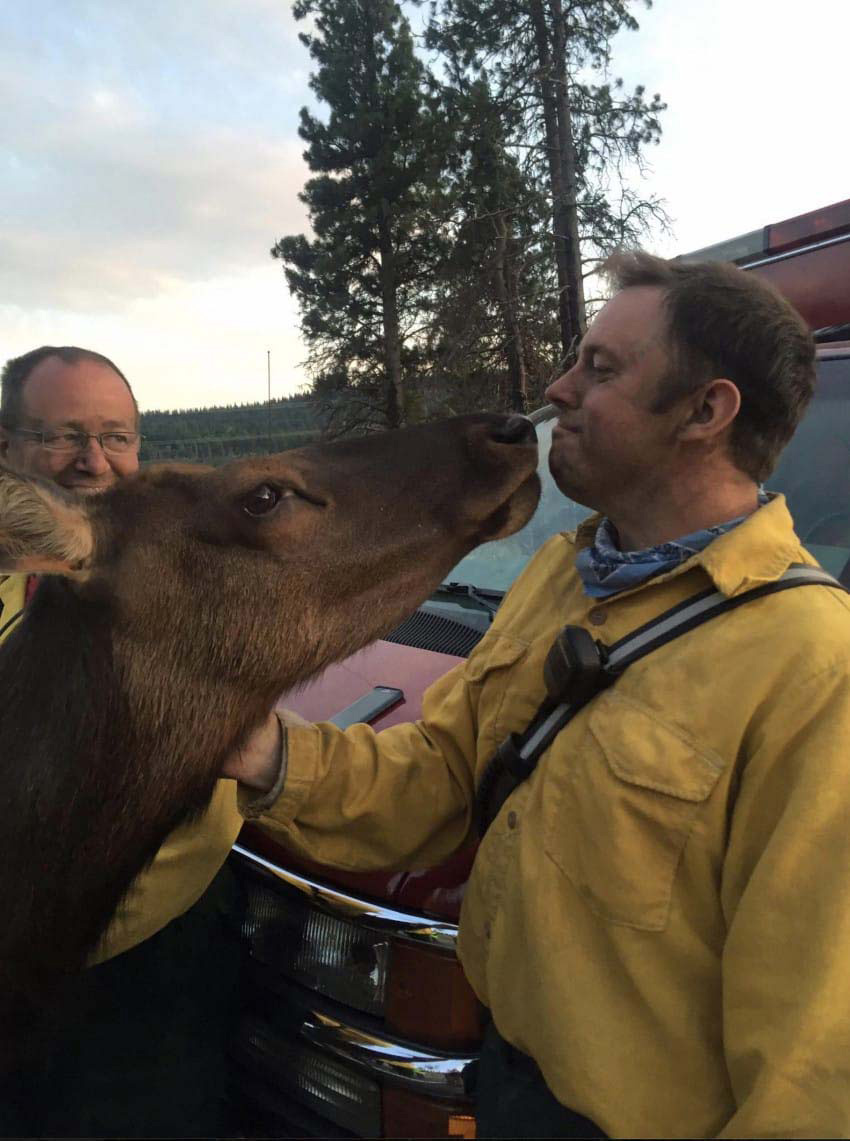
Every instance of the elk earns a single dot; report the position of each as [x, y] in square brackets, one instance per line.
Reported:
[177, 607]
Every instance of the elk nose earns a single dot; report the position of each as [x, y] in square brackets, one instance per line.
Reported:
[515, 430]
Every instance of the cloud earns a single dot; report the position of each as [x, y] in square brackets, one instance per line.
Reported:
[149, 158]
[192, 345]
[139, 212]
[156, 147]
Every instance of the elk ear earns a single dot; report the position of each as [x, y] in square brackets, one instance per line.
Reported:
[42, 529]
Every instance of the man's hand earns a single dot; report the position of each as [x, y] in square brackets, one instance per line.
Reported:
[257, 763]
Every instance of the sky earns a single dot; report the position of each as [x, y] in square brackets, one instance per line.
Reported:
[150, 159]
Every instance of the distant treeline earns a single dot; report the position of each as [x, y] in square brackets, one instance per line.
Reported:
[213, 435]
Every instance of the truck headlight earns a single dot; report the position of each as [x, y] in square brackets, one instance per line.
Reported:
[338, 958]
[349, 1098]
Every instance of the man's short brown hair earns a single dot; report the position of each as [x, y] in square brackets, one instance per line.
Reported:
[16, 371]
[723, 322]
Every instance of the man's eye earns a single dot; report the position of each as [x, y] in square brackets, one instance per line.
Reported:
[71, 439]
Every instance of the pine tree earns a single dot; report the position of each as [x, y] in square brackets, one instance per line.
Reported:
[489, 330]
[362, 280]
[580, 137]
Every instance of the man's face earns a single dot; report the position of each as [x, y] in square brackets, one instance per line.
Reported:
[608, 447]
[86, 397]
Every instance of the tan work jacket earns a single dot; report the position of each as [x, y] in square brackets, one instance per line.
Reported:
[660, 915]
[187, 862]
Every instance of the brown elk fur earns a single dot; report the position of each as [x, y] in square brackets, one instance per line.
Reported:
[175, 621]
[41, 527]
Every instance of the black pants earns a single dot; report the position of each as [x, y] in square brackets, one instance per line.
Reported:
[140, 1048]
[513, 1100]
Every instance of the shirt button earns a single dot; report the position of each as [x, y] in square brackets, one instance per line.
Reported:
[598, 616]
[512, 819]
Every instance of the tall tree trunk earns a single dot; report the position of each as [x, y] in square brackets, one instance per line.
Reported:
[552, 76]
[505, 280]
[389, 315]
[568, 224]
[393, 393]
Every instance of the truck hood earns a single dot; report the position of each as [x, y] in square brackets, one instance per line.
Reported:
[407, 668]
[435, 891]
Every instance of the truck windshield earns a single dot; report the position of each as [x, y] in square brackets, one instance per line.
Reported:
[494, 566]
[813, 474]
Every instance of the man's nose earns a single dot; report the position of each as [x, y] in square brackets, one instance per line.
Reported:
[92, 458]
[564, 390]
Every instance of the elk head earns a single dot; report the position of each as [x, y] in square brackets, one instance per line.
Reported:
[261, 572]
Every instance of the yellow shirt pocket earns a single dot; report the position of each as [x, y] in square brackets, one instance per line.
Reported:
[620, 810]
[502, 706]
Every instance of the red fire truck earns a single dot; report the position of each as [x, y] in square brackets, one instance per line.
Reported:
[358, 1021]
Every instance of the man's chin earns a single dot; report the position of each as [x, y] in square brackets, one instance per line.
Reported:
[568, 485]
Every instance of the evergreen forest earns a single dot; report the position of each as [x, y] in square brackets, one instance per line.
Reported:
[215, 435]
[472, 164]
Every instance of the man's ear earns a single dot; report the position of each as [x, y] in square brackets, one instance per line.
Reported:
[42, 529]
[711, 410]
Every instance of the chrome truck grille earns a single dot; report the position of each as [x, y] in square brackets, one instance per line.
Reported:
[312, 1044]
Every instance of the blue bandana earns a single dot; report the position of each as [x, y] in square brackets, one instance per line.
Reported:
[606, 570]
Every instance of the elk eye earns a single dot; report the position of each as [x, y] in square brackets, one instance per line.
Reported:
[261, 500]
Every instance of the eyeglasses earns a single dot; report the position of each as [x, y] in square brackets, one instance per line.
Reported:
[113, 443]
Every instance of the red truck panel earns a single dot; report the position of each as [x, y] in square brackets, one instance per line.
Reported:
[801, 279]
[436, 891]
[384, 663]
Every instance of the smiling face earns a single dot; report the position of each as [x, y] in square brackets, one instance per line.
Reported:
[608, 445]
[87, 397]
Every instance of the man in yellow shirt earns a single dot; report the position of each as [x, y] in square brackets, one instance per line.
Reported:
[144, 1054]
[659, 916]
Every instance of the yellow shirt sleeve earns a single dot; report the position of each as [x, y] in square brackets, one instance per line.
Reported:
[398, 798]
[181, 872]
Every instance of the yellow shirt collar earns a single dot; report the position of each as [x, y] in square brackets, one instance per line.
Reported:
[757, 551]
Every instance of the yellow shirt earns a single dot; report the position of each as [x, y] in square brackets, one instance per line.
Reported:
[184, 866]
[660, 915]
[12, 593]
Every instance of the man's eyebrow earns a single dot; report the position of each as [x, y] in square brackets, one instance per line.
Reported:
[590, 347]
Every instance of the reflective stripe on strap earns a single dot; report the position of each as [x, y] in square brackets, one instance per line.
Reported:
[6, 625]
[695, 611]
[669, 625]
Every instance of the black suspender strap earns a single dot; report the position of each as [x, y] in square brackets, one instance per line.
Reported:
[578, 667]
